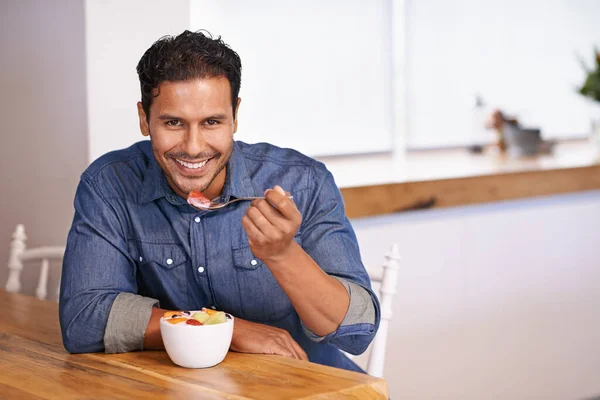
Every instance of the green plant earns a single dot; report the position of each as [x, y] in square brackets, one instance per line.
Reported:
[591, 86]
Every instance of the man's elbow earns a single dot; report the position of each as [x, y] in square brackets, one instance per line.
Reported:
[80, 340]
[82, 330]
[357, 345]
[76, 344]
[355, 339]
[72, 346]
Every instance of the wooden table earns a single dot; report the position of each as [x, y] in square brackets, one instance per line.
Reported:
[34, 364]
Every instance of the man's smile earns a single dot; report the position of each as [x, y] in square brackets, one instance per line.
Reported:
[191, 165]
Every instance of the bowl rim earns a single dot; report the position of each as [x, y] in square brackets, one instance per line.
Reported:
[163, 321]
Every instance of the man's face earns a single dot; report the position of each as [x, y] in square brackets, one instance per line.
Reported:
[191, 127]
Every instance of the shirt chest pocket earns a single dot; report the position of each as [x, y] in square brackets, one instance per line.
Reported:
[262, 299]
[161, 268]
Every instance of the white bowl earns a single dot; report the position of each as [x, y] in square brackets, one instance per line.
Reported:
[192, 346]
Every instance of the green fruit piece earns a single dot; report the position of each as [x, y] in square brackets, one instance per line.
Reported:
[217, 318]
[201, 317]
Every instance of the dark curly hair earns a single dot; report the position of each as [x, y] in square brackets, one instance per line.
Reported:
[190, 55]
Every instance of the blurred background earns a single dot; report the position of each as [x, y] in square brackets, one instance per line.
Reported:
[496, 300]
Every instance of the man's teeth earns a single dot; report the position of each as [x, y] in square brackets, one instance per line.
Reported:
[192, 166]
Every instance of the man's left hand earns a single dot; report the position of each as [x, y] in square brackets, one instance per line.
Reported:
[271, 224]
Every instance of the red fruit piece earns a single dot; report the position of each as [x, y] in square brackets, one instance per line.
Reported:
[193, 322]
[198, 200]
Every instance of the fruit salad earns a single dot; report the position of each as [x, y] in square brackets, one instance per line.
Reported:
[198, 200]
[206, 316]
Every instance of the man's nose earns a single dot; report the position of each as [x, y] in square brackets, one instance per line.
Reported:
[195, 143]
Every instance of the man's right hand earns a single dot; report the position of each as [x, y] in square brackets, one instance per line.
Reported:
[250, 337]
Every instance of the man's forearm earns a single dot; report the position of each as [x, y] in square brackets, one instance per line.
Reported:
[320, 300]
[152, 337]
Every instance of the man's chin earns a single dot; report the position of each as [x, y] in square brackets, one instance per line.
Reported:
[184, 185]
[187, 188]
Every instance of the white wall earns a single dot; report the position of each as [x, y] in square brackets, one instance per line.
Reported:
[498, 301]
[43, 128]
[316, 76]
[520, 55]
[117, 35]
[328, 75]
[304, 87]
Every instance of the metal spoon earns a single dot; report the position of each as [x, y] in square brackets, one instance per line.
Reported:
[213, 205]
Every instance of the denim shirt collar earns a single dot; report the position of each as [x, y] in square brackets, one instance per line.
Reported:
[237, 181]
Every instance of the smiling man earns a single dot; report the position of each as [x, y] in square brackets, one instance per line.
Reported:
[289, 270]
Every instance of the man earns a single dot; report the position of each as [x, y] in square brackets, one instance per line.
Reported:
[288, 270]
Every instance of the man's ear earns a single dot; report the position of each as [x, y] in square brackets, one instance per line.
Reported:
[237, 111]
[144, 128]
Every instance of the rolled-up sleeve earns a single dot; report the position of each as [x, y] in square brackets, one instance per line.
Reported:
[361, 309]
[127, 322]
[96, 269]
[328, 237]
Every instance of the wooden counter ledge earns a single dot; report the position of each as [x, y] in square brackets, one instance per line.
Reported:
[376, 185]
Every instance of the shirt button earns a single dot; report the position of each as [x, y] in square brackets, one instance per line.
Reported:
[213, 307]
[201, 269]
[169, 261]
[197, 219]
[141, 258]
[253, 262]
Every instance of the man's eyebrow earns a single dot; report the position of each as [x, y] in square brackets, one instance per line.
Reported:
[216, 116]
[166, 117]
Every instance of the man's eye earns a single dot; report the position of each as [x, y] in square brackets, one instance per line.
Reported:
[173, 122]
[212, 122]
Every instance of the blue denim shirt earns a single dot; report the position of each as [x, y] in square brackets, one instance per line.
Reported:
[131, 233]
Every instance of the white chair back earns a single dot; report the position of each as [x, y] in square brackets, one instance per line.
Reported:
[19, 253]
[387, 278]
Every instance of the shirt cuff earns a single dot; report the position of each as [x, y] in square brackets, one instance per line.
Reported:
[361, 309]
[127, 323]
